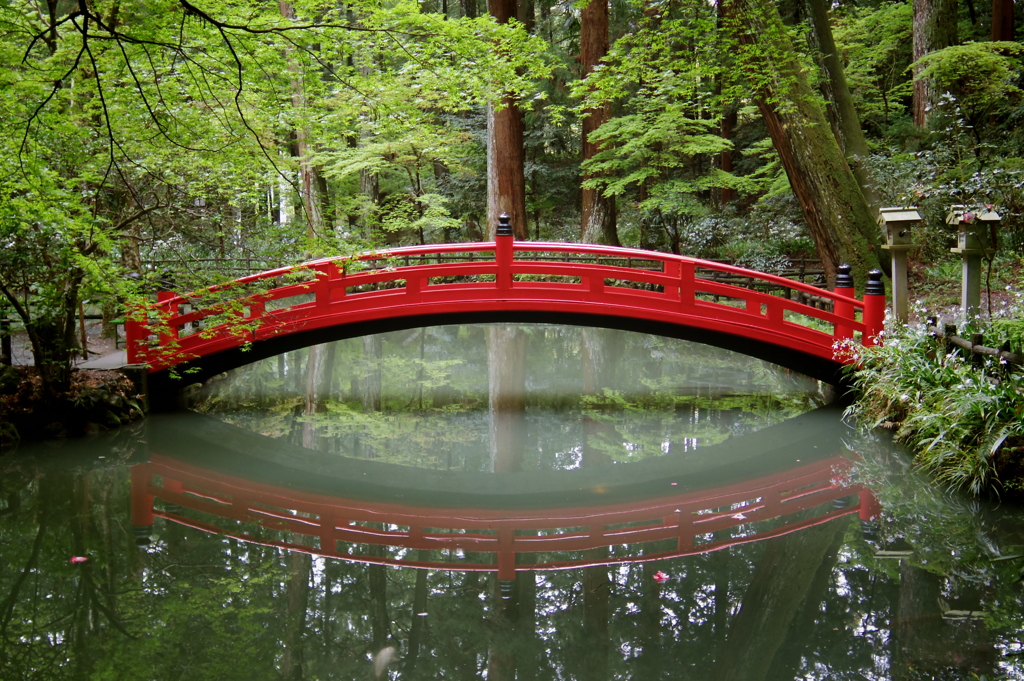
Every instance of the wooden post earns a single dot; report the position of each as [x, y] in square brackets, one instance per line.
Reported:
[135, 333]
[977, 359]
[874, 308]
[844, 287]
[900, 290]
[170, 335]
[503, 251]
[970, 286]
[948, 331]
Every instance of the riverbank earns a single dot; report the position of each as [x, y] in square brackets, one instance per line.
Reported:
[96, 402]
[961, 415]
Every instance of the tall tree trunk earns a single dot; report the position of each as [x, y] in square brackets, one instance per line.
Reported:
[598, 211]
[373, 348]
[380, 622]
[419, 622]
[1002, 19]
[308, 181]
[530, 666]
[596, 592]
[501, 653]
[729, 113]
[781, 582]
[506, 374]
[729, 119]
[506, 179]
[787, 660]
[319, 370]
[934, 28]
[851, 135]
[526, 13]
[297, 600]
[599, 350]
[649, 631]
[837, 215]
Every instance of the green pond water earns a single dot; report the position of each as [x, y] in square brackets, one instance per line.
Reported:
[500, 502]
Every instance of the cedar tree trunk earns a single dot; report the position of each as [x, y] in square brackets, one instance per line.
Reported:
[836, 212]
[934, 29]
[598, 211]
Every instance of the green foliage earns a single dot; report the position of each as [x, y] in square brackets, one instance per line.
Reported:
[640, 147]
[875, 44]
[665, 80]
[171, 134]
[981, 76]
[961, 426]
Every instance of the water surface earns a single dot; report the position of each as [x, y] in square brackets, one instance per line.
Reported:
[684, 514]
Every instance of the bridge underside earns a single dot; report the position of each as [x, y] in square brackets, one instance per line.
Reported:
[165, 385]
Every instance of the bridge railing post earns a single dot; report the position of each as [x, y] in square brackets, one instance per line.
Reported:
[844, 287]
[874, 308]
[503, 251]
[506, 555]
[142, 500]
[135, 332]
[168, 330]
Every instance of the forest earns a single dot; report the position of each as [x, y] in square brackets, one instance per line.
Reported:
[175, 144]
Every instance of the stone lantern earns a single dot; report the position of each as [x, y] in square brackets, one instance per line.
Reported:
[899, 223]
[975, 240]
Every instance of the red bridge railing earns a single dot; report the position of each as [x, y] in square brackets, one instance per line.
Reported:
[502, 275]
[485, 540]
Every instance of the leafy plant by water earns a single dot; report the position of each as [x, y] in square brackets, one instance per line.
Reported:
[964, 426]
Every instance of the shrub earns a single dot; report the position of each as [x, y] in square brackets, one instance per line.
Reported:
[963, 426]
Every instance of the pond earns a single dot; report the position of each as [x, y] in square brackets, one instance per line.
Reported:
[501, 502]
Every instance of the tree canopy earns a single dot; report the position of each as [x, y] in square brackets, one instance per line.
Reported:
[188, 142]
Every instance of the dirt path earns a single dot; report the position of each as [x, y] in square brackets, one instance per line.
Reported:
[21, 349]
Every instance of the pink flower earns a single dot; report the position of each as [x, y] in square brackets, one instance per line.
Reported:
[968, 217]
[660, 577]
[77, 559]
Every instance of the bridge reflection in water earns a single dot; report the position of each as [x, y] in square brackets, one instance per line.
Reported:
[224, 480]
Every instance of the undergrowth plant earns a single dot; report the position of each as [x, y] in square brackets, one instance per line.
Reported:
[964, 424]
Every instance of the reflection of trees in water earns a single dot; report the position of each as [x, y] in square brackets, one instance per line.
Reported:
[423, 396]
[961, 560]
[194, 605]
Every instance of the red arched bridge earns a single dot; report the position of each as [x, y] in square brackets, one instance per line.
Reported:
[683, 524]
[204, 333]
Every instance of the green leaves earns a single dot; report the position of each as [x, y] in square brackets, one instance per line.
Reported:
[980, 75]
[875, 45]
[953, 417]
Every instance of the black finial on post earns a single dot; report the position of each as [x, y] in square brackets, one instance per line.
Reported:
[142, 534]
[874, 287]
[843, 277]
[504, 225]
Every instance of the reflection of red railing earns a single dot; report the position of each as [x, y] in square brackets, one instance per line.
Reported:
[498, 276]
[316, 523]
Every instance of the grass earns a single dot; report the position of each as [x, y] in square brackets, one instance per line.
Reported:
[965, 425]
